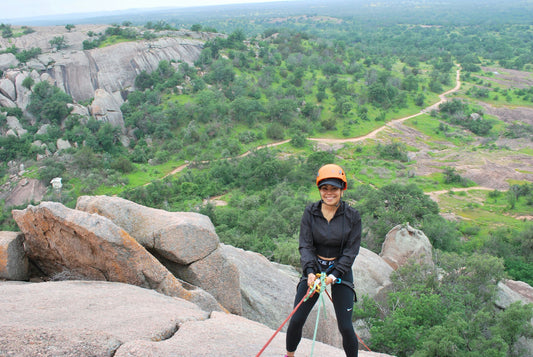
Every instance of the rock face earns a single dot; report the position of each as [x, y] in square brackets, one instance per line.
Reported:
[60, 240]
[402, 243]
[82, 318]
[26, 191]
[185, 242]
[510, 291]
[79, 318]
[371, 274]
[7, 88]
[106, 108]
[88, 318]
[7, 60]
[6, 102]
[13, 261]
[15, 127]
[268, 295]
[103, 74]
[114, 68]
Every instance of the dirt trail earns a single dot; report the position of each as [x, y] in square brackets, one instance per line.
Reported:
[354, 139]
[393, 123]
[435, 194]
[182, 167]
[489, 173]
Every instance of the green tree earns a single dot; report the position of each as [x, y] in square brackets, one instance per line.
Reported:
[316, 160]
[275, 131]
[221, 72]
[49, 103]
[393, 151]
[410, 83]
[282, 111]
[55, 111]
[51, 168]
[28, 82]
[12, 147]
[382, 209]
[58, 42]
[7, 31]
[246, 110]
[89, 45]
[420, 99]
[122, 164]
[448, 310]
[143, 81]
[25, 55]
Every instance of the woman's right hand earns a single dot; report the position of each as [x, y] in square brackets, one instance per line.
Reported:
[311, 280]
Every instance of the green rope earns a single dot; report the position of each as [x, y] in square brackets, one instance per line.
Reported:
[321, 303]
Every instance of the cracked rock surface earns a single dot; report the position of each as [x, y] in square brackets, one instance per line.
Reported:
[94, 318]
[85, 318]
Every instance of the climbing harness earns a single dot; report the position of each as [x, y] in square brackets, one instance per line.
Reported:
[348, 284]
[321, 303]
[319, 287]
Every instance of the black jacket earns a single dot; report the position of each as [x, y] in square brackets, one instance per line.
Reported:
[340, 238]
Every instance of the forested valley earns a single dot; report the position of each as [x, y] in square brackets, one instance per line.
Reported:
[289, 74]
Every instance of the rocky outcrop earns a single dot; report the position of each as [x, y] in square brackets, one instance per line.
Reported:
[403, 243]
[13, 261]
[23, 93]
[371, 274]
[103, 74]
[7, 88]
[72, 243]
[14, 127]
[510, 291]
[186, 242]
[60, 240]
[89, 318]
[6, 102]
[268, 295]
[7, 60]
[106, 108]
[26, 191]
[85, 318]
[114, 68]
[62, 144]
[43, 34]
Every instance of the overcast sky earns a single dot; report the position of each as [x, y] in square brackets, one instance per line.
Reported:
[12, 9]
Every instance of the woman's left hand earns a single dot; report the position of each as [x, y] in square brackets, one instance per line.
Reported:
[329, 280]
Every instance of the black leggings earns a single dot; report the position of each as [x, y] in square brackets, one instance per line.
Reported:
[343, 299]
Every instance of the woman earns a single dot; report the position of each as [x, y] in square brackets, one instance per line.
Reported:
[330, 237]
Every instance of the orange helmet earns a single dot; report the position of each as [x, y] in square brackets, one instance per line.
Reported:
[331, 174]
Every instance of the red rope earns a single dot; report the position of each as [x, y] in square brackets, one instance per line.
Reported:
[292, 313]
[287, 319]
[359, 338]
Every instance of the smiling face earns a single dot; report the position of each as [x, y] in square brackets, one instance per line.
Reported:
[330, 195]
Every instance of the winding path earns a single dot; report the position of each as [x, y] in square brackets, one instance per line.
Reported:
[434, 195]
[392, 123]
[370, 135]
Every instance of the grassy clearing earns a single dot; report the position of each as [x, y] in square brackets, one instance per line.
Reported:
[113, 40]
[142, 175]
[487, 213]
[438, 132]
